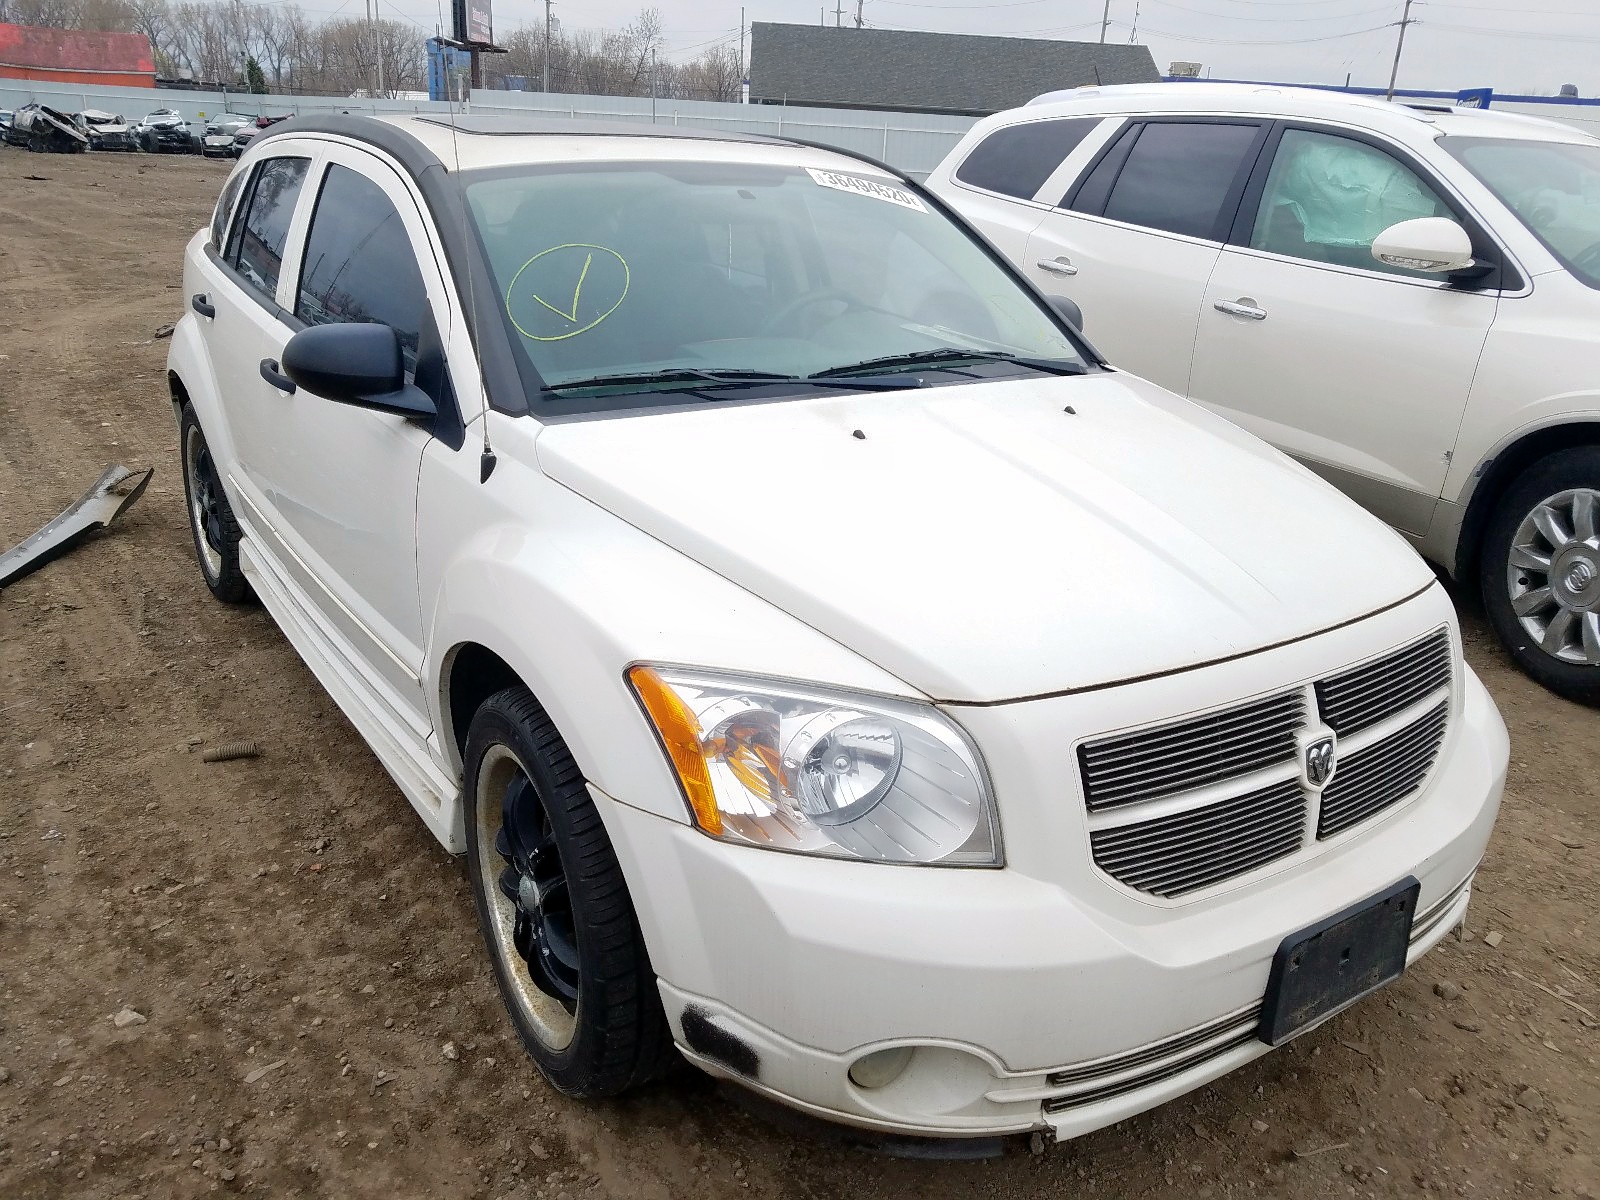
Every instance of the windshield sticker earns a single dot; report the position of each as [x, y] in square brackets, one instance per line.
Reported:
[566, 290]
[868, 187]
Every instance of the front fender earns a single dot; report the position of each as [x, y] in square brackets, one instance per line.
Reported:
[570, 596]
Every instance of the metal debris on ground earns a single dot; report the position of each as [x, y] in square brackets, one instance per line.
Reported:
[96, 509]
[231, 750]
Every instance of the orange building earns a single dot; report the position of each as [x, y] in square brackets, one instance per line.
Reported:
[74, 56]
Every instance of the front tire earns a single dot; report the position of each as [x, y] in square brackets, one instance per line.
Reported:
[211, 522]
[555, 911]
[1540, 572]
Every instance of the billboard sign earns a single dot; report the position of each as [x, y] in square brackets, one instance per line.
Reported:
[474, 22]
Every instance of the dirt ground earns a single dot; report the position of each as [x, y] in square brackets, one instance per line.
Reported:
[302, 950]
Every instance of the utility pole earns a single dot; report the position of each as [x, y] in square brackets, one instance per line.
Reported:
[838, 15]
[741, 54]
[859, 21]
[1399, 45]
[1105, 20]
[546, 45]
[652, 85]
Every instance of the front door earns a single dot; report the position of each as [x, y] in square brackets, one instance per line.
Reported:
[340, 487]
[1360, 370]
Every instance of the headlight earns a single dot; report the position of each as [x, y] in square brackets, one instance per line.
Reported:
[766, 763]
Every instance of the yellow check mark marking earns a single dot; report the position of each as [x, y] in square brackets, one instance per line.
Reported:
[576, 292]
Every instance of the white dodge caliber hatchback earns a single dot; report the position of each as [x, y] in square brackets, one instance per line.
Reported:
[826, 665]
[1408, 301]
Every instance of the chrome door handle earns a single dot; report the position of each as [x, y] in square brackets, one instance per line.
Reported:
[1244, 307]
[1057, 266]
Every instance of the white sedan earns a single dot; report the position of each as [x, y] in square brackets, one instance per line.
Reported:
[826, 666]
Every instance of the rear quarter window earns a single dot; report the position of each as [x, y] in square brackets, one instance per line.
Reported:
[1016, 160]
[219, 219]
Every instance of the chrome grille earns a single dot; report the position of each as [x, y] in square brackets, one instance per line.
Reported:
[1187, 805]
[1156, 763]
[1361, 698]
[1172, 855]
[1371, 780]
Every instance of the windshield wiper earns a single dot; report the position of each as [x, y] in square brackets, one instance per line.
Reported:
[692, 376]
[947, 356]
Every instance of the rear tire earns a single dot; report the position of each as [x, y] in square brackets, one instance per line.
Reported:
[565, 944]
[1540, 572]
[211, 522]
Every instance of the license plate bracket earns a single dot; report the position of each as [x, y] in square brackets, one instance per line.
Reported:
[1323, 969]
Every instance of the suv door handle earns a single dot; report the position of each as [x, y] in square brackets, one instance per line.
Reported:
[1060, 265]
[270, 372]
[201, 303]
[1242, 307]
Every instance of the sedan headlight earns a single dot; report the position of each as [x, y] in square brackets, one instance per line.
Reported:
[780, 765]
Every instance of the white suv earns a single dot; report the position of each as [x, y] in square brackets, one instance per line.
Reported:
[1406, 300]
[824, 664]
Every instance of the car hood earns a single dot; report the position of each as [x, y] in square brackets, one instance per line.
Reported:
[986, 542]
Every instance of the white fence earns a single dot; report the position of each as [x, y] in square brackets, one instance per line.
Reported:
[911, 142]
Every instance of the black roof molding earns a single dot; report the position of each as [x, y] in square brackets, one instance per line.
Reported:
[536, 124]
[910, 71]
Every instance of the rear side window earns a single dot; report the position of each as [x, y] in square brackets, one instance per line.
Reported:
[256, 248]
[1180, 175]
[1016, 160]
[359, 263]
[219, 219]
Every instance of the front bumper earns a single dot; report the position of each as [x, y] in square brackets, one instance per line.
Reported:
[1040, 996]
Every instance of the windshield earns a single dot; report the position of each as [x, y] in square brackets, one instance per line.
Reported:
[1554, 187]
[662, 269]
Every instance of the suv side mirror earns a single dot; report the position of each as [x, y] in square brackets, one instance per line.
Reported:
[1069, 311]
[1434, 244]
[355, 363]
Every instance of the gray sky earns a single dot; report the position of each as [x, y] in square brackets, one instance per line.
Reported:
[1453, 44]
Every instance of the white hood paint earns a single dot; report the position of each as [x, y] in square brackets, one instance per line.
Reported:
[981, 544]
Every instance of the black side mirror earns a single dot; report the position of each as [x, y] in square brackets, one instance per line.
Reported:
[1069, 311]
[355, 363]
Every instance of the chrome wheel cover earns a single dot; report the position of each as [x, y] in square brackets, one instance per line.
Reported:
[524, 885]
[1553, 576]
[204, 502]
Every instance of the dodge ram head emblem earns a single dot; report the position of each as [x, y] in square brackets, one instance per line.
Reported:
[1319, 762]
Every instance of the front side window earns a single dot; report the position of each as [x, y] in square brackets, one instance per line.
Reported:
[219, 219]
[359, 263]
[1553, 187]
[1327, 197]
[257, 246]
[629, 268]
[1016, 160]
[1180, 176]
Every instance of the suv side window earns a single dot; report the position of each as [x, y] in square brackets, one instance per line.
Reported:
[1016, 160]
[1327, 197]
[256, 247]
[1180, 176]
[359, 263]
[219, 219]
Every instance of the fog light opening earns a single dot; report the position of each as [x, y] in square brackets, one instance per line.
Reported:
[881, 1068]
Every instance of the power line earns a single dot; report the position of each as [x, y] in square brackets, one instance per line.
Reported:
[1512, 33]
[1331, 37]
[1367, 12]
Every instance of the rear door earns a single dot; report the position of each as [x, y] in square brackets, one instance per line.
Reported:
[1359, 369]
[241, 287]
[1135, 238]
[997, 184]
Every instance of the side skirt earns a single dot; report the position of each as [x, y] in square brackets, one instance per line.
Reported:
[434, 794]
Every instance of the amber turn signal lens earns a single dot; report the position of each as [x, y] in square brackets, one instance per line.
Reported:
[680, 734]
